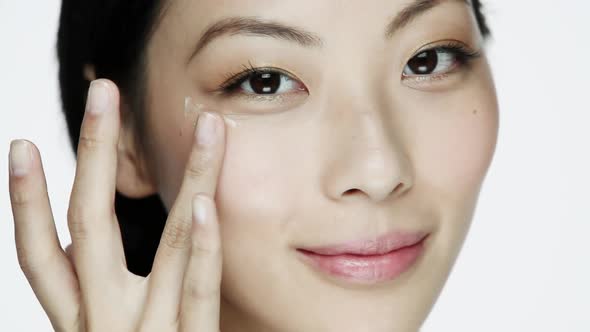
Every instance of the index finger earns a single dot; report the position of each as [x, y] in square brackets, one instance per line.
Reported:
[201, 176]
[202, 280]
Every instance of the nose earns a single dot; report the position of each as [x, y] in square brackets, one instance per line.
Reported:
[367, 158]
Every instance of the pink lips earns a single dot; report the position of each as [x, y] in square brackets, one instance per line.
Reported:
[369, 261]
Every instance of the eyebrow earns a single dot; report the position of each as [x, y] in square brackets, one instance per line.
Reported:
[411, 12]
[255, 26]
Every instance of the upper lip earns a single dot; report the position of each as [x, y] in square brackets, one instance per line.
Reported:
[380, 245]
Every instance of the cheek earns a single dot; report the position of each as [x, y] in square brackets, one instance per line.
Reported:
[256, 198]
[452, 152]
[451, 149]
[257, 182]
[455, 151]
[455, 159]
[454, 141]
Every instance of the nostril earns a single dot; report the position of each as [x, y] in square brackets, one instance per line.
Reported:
[398, 188]
[352, 191]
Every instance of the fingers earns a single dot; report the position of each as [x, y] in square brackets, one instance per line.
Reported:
[201, 286]
[96, 240]
[39, 253]
[201, 175]
[68, 251]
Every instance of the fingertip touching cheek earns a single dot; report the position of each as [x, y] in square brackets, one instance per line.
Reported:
[361, 135]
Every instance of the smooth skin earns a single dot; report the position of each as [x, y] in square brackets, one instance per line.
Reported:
[364, 149]
[88, 288]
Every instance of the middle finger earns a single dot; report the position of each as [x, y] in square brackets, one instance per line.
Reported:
[201, 176]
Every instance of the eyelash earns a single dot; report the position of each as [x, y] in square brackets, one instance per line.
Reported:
[234, 80]
[464, 56]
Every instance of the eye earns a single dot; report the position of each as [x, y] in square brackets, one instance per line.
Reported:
[256, 81]
[436, 62]
[433, 61]
[268, 83]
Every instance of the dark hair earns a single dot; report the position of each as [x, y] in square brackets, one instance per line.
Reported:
[111, 36]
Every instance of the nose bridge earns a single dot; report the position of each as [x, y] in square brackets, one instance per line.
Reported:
[372, 134]
[367, 155]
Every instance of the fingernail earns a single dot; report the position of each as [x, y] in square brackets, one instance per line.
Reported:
[20, 158]
[200, 209]
[98, 97]
[206, 129]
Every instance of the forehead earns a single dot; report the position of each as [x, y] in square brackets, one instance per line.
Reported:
[199, 13]
[209, 8]
[184, 20]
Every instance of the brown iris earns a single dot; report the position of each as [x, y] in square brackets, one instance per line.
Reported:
[424, 63]
[265, 83]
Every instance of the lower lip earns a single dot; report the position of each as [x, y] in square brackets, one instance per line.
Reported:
[366, 269]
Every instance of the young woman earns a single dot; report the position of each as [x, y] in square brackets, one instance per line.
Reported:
[337, 157]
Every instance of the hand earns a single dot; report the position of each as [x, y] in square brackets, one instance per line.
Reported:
[90, 289]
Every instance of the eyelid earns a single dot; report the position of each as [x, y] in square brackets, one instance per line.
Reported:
[461, 49]
[443, 43]
[235, 80]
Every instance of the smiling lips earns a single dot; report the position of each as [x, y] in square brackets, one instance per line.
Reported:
[370, 261]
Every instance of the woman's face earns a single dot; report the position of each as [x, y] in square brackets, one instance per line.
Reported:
[374, 118]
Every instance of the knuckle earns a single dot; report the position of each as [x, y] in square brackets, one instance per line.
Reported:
[88, 142]
[32, 267]
[206, 248]
[77, 223]
[196, 289]
[177, 232]
[20, 198]
[199, 166]
[29, 269]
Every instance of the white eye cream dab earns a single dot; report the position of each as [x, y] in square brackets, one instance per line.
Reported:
[191, 107]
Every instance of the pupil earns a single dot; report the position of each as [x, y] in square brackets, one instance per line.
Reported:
[424, 63]
[265, 83]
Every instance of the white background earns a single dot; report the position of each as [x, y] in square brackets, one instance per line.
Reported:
[526, 263]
